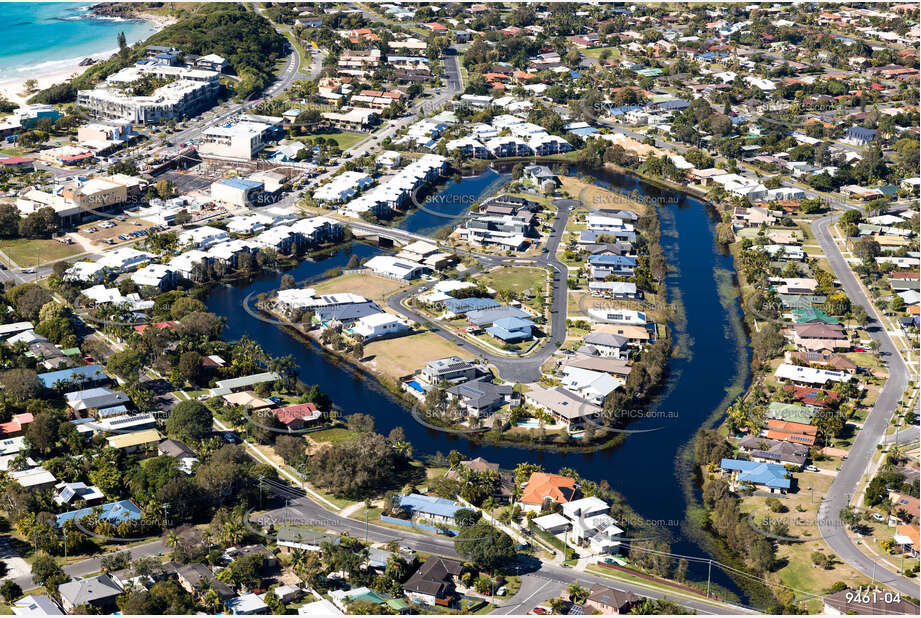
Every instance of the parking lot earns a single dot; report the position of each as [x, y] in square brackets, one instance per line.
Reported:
[99, 234]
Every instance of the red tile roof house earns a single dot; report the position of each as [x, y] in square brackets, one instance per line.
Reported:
[788, 431]
[297, 416]
[543, 487]
[160, 325]
[16, 426]
[812, 396]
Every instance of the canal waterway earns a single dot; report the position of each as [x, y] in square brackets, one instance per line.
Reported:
[446, 207]
[710, 364]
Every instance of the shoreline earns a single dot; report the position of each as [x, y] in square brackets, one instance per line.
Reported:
[70, 68]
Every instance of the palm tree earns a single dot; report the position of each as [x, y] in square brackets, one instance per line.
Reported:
[577, 594]
[173, 541]
[233, 532]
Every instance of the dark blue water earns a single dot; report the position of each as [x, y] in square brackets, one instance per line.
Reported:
[711, 357]
[448, 206]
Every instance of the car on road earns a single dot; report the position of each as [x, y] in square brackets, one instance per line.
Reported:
[28, 271]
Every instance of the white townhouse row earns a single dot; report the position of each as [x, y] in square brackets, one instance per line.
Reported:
[343, 187]
[282, 237]
[124, 259]
[397, 190]
[524, 139]
[206, 245]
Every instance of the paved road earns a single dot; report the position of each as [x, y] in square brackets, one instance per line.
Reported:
[94, 565]
[303, 511]
[874, 428]
[534, 591]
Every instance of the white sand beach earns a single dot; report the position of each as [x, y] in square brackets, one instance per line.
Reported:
[13, 89]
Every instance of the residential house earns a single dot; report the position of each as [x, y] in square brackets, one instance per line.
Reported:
[136, 440]
[593, 386]
[809, 375]
[98, 591]
[592, 525]
[826, 358]
[191, 576]
[819, 336]
[433, 582]
[451, 369]
[511, 329]
[65, 493]
[565, 407]
[772, 476]
[378, 325]
[180, 451]
[112, 512]
[609, 601]
[606, 345]
[768, 450]
[798, 433]
[297, 416]
[36, 605]
[247, 605]
[438, 510]
[480, 396]
[543, 488]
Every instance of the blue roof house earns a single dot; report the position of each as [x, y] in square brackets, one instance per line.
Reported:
[87, 375]
[430, 507]
[490, 316]
[511, 330]
[771, 475]
[859, 136]
[460, 306]
[621, 261]
[113, 512]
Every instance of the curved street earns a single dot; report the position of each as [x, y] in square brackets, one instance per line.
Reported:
[524, 369]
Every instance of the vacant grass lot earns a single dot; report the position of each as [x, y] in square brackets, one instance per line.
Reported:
[344, 139]
[594, 196]
[27, 253]
[369, 286]
[403, 355]
[516, 278]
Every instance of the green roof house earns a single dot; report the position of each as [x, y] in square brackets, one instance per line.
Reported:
[809, 315]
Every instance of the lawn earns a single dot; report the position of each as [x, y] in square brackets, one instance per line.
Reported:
[516, 279]
[334, 435]
[596, 52]
[27, 253]
[403, 355]
[344, 139]
[369, 286]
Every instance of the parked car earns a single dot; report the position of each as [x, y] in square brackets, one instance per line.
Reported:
[812, 469]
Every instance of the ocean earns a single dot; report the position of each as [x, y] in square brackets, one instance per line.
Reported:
[42, 38]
